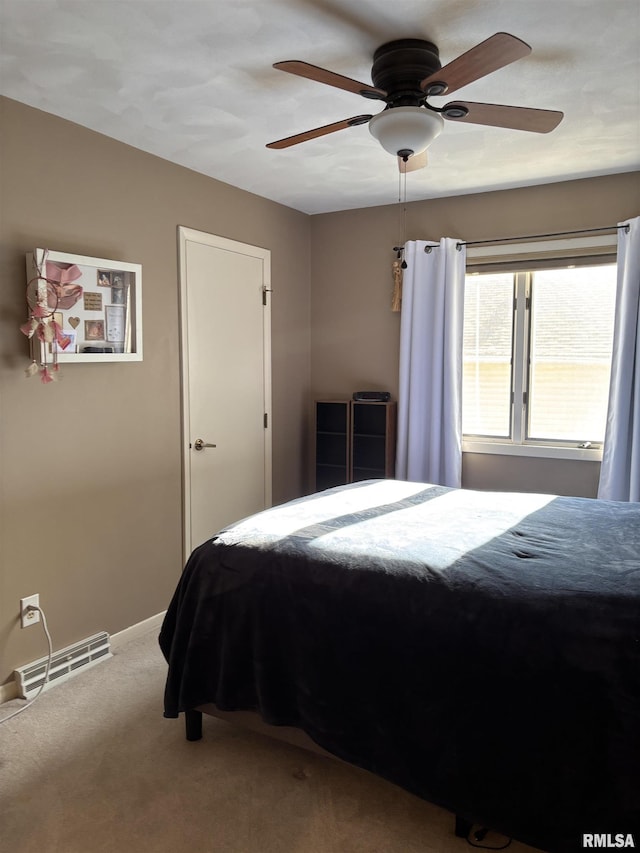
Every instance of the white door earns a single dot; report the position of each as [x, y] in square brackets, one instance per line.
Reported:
[226, 381]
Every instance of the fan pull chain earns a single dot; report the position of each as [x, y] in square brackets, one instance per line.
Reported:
[403, 179]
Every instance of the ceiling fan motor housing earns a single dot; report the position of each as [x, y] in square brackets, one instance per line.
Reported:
[400, 66]
[405, 73]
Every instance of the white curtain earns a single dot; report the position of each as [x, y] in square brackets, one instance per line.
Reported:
[620, 470]
[430, 391]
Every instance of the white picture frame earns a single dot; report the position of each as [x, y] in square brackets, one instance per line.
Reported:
[63, 281]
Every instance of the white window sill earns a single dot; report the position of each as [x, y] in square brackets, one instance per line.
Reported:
[546, 451]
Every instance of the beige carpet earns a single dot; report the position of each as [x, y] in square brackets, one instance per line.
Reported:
[93, 767]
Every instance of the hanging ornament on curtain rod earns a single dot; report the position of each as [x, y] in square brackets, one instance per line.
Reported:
[400, 264]
[396, 301]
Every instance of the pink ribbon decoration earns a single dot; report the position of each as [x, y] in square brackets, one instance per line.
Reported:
[62, 274]
[62, 291]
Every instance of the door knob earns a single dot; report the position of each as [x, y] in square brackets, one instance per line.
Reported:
[199, 444]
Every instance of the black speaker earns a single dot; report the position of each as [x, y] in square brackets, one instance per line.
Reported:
[372, 396]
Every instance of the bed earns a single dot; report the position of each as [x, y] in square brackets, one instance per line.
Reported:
[481, 650]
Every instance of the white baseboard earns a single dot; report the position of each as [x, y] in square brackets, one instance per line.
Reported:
[10, 690]
[153, 623]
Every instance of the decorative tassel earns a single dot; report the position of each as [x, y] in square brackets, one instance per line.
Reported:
[45, 376]
[396, 302]
[32, 369]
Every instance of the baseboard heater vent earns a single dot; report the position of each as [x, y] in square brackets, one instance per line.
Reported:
[64, 664]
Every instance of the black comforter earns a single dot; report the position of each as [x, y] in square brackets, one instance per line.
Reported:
[480, 650]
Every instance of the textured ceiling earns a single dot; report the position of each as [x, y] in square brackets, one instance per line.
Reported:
[192, 81]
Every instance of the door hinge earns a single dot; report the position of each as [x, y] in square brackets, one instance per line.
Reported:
[266, 420]
[265, 290]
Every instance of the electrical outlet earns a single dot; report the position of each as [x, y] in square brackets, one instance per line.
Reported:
[29, 617]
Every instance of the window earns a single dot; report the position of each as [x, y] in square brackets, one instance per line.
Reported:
[537, 356]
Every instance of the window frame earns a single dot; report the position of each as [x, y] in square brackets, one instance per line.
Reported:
[521, 259]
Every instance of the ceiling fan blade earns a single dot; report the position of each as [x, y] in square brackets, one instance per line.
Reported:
[501, 115]
[415, 162]
[495, 52]
[321, 75]
[319, 131]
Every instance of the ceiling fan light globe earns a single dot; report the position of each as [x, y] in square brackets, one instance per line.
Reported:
[405, 129]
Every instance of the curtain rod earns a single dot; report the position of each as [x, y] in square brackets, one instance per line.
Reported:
[540, 236]
[533, 236]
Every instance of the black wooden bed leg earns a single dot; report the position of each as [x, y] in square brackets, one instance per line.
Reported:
[193, 724]
[463, 827]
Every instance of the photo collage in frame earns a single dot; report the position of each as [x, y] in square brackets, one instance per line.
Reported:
[95, 302]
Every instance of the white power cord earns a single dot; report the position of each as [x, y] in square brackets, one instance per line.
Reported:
[30, 608]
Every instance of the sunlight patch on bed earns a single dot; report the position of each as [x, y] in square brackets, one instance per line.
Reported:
[280, 521]
[449, 524]
[447, 527]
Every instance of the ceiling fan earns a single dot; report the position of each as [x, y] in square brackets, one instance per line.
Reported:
[405, 74]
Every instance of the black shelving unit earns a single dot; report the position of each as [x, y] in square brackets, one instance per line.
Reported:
[332, 440]
[354, 440]
[373, 437]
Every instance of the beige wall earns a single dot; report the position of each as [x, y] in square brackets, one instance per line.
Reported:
[90, 467]
[90, 512]
[355, 336]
